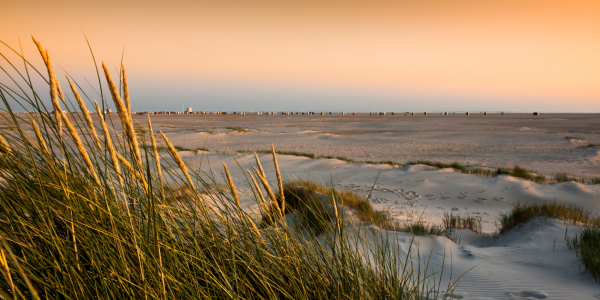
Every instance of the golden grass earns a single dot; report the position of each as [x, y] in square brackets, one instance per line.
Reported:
[279, 181]
[126, 120]
[177, 159]
[86, 114]
[80, 147]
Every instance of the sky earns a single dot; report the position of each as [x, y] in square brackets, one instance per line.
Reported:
[323, 55]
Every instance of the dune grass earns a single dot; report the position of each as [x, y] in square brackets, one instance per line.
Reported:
[109, 218]
[564, 177]
[451, 221]
[586, 243]
[179, 148]
[370, 162]
[238, 129]
[587, 247]
[522, 212]
[294, 153]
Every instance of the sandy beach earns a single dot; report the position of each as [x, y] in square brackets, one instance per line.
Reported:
[550, 143]
[530, 262]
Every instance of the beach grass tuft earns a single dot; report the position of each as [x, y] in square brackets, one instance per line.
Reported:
[456, 221]
[587, 247]
[523, 212]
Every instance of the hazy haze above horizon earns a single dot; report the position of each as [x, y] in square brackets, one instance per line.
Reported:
[324, 55]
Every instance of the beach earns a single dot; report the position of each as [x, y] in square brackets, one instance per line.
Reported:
[549, 143]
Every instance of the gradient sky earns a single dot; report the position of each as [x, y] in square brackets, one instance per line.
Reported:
[326, 55]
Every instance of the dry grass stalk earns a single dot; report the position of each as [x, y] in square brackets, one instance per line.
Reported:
[126, 163]
[80, 147]
[40, 138]
[109, 145]
[86, 113]
[125, 117]
[232, 186]
[4, 146]
[54, 95]
[272, 197]
[279, 182]
[257, 188]
[155, 148]
[262, 172]
[254, 228]
[54, 85]
[178, 159]
[126, 91]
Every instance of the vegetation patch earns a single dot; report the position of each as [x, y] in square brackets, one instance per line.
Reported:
[473, 223]
[587, 247]
[519, 172]
[179, 148]
[238, 129]
[294, 153]
[589, 146]
[522, 213]
[365, 211]
[564, 177]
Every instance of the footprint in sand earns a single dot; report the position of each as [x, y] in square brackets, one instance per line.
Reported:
[445, 198]
[444, 193]
[455, 209]
[528, 295]
[499, 199]
[463, 197]
[482, 191]
[430, 195]
[432, 198]
[464, 193]
[481, 200]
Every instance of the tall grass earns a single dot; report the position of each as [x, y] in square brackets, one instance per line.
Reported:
[124, 223]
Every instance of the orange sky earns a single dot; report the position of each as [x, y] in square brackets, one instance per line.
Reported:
[539, 52]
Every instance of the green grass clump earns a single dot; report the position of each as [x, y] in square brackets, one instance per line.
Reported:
[587, 246]
[179, 148]
[354, 161]
[520, 172]
[451, 221]
[195, 150]
[522, 213]
[294, 153]
[238, 129]
[564, 177]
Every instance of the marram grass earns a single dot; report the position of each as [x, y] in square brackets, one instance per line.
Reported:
[73, 227]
